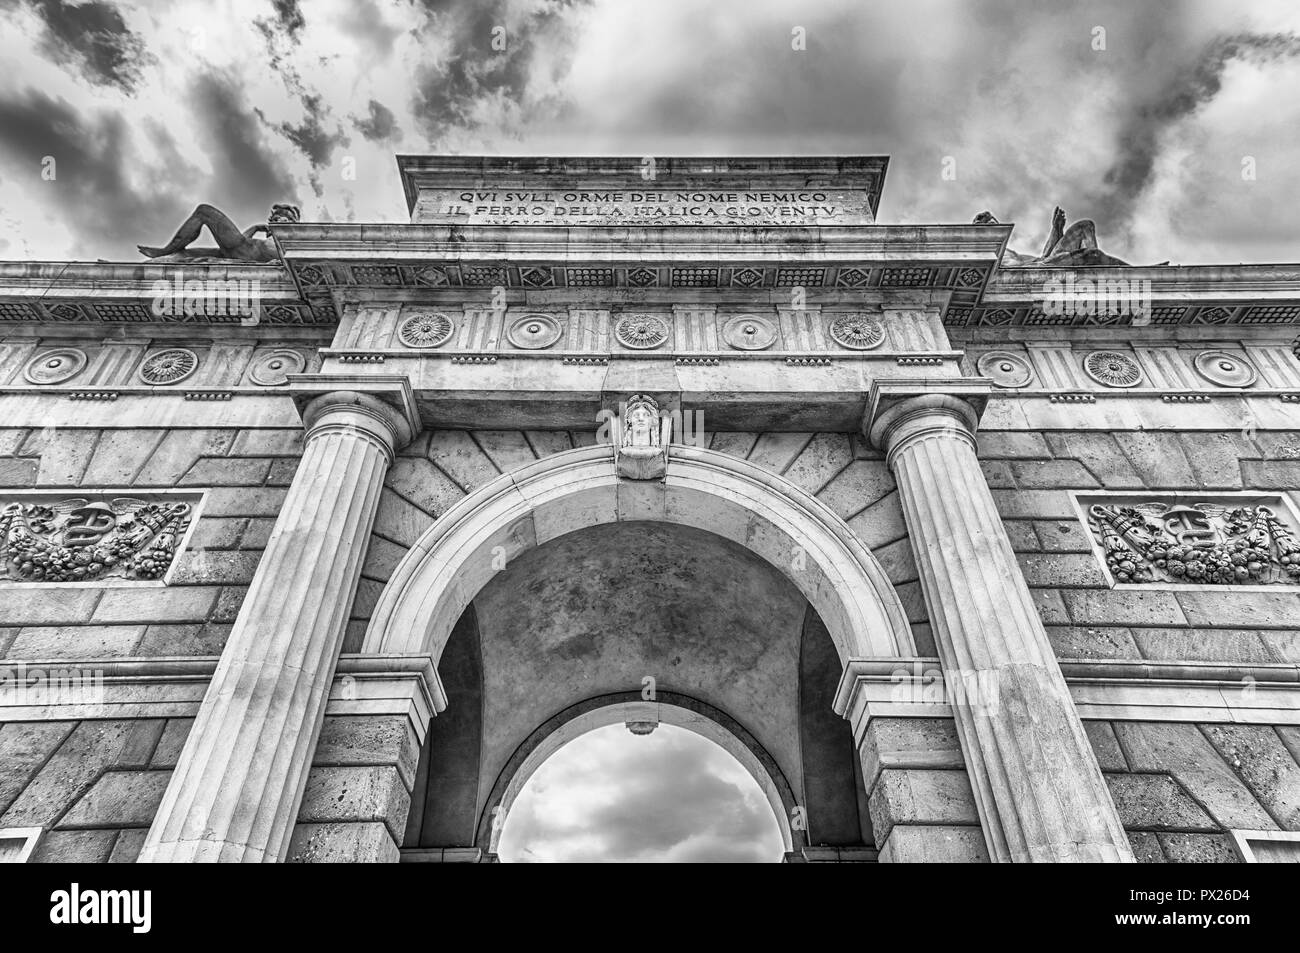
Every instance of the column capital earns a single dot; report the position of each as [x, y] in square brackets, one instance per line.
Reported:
[384, 407]
[898, 411]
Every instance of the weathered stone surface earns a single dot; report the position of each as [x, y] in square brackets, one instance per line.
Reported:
[1183, 752]
[268, 443]
[206, 567]
[934, 844]
[1061, 569]
[127, 846]
[226, 608]
[881, 522]
[118, 799]
[825, 456]
[24, 748]
[897, 561]
[217, 533]
[177, 453]
[48, 606]
[76, 641]
[1146, 847]
[18, 471]
[423, 484]
[1034, 504]
[163, 604]
[244, 501]
[917, 796]
[457, 455]
[356, 794]
[1215, 458]
[1155, 802]
[368, 843]
[354, 740]
[64, 454]
[170, 742]
[1062, 536]
[1257, 755]
[1244, 609]
[897, 743]
[400, 521]
[119, 455]
[74, 847]
[546, 443]
[1048, 474]
[1022, 536]
[1086, 642]
[192, 639]
[1203, 645]
[257, 534]
[776, 451]
[226, 471]
[281, 472]
[997, 473]
[1122, 607]
[1270, 474]
[1198, 848]
[734, 443]
[507, 449]
[1013, 444]
[857, 486]
[89, 749]
[1099, 453]
[1105, 746]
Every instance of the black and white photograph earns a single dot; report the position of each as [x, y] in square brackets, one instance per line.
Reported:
[609, 431]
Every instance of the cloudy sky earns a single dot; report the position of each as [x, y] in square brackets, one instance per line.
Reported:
[668, 797]
[1141, 116]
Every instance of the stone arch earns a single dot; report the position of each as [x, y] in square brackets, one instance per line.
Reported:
[668, 708]
[711, 491]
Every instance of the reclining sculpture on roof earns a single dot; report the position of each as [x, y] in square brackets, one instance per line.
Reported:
[232, 244]
[1065, 247]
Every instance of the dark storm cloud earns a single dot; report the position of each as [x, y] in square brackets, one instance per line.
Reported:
[288, 17]
[310, 135]
[95, 36]
[248, 173]
[476, 70]
[1192, 87]
[379, 125]
[90, 191]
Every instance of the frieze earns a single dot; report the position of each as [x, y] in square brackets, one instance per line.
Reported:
[54, 538]
[1220, 541]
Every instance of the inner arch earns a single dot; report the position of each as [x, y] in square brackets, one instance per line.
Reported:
[629, 708]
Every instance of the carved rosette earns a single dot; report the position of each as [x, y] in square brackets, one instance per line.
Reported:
[858, 332]
[749, 332]
[55, 367]
[1224, 368]
[641, 332]
[1005, 369]
[534, 332]
[274, 367]
[79, 540]
[1112, 368]
[426, 329]
[1202, 544]
[170, 366]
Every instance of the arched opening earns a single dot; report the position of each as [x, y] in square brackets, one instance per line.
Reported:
[662, 766]
[569, 583]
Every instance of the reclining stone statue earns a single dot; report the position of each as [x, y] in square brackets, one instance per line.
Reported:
[1065, 247]
[232, 244]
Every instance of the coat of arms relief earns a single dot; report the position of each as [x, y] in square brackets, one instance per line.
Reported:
[1209, 543]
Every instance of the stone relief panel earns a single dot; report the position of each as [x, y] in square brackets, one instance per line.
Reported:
[55, 538]
[1167, 540]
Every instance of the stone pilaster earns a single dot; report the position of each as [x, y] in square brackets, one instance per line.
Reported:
[235, 792]
[1038, 790]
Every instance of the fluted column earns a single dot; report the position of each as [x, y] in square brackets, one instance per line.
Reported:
[1038, 789]
[235, 792]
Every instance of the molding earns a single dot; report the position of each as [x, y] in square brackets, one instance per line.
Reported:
[173, 687]
[1102, 690]
[28, 836]
[1243, 843]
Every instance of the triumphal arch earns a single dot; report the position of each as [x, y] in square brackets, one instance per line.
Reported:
[313, 546]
